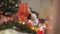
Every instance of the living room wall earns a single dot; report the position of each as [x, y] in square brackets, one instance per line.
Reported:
[41, 6]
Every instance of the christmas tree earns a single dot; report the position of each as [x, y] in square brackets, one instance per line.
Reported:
[9, 7]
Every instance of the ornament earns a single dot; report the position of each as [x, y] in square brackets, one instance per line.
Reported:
[29, 23]
[9, 19]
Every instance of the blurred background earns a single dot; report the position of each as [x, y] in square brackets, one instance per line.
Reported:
[13, 17]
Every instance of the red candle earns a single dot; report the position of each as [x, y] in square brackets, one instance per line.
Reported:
[21, 9]
[26, 9]
[40, 31]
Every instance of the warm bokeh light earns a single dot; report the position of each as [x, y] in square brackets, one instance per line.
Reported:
[33, 28]
[23, 23]
[20, 22]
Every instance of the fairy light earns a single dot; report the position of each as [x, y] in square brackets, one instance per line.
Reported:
[32, 28]
[23, 23]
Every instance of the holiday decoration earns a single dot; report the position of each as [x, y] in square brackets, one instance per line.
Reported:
[33, 28]
[21, 10]
[14, 17]
[23, 23]
[8, 6]
[26, 9]
[40, 31]
[29, 23]
[9, 19]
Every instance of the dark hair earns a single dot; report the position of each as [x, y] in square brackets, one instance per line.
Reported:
[29, 16]
[42, 20]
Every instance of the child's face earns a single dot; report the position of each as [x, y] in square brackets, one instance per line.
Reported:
[32, 18]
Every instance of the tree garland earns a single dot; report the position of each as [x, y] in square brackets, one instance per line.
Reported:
[20, 27]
